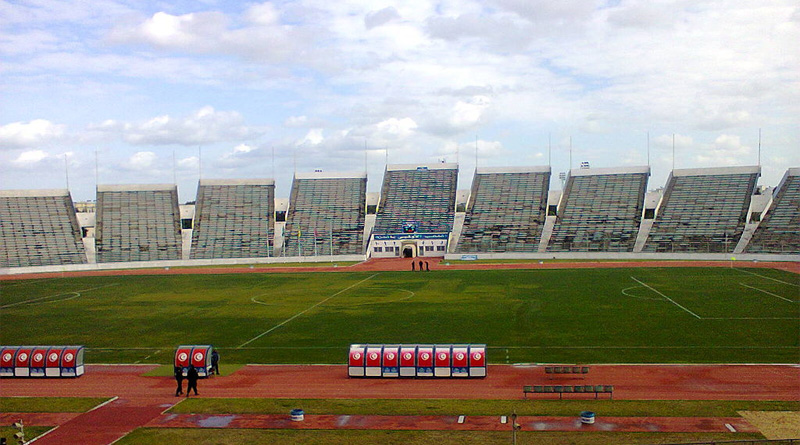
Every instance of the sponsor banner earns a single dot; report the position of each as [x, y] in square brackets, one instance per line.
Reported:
[469, 257]
[410, 236]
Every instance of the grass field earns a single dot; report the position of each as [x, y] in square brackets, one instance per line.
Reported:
[638, 315]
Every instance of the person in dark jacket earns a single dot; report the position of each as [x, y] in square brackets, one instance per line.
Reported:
[214, 362]
[179, 378]
[191, 377]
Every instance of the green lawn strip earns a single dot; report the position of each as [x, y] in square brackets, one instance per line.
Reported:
[49, 404]
[30, 432]
[209, 436]
[614, 408]
[168, 370]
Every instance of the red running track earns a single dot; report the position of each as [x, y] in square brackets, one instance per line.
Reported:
[141, 400]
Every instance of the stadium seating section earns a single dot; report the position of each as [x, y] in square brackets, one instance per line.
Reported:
[233, 219]
[703, 210]
[425, 195]
[779, 231]
[39, 228]
[137, 223]
[506, 211]
[600, 211]
[326, 215]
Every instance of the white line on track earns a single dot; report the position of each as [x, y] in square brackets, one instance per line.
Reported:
[768, 278]
[32, 300]
[304, 311]
[668, 298]
[768, 293]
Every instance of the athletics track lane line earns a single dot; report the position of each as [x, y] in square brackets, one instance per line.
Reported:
[303, 312]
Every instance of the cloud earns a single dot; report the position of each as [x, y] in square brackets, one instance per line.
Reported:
[142, 160]
[206, 125]
[257, 34]
[31, 157]
[381, 17]
[29, 134]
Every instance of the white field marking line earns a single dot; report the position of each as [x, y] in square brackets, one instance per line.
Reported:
[57, 295]
[104, 403]
[42, 435]
[410, 296]
[768, 278]
[768, 293]
[638, 297]
[668, 298]
[303, 312]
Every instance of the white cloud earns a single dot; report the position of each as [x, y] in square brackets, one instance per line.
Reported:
[206, 125]
[313, 137]
[142, 160]
[31, 157]
[29, 134]
[396, 128]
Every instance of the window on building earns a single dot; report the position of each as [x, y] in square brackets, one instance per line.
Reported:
[377, 249]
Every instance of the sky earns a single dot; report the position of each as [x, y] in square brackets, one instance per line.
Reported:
[130, 91]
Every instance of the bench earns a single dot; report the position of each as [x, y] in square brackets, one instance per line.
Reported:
[568, 389]
[561, 370]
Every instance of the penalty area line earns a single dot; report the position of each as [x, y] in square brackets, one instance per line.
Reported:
[668, 298]
[766, 277]
[304, 311]
[768, 293]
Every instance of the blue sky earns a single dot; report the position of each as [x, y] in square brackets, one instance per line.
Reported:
[137, 84]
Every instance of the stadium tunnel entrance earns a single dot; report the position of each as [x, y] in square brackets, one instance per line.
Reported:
[409, 250]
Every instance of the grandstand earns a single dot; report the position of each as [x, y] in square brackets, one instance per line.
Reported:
[137, 223]
[600, 210]
[417, 204]
[779, 230]
[424, 195]
[703, 210]
[506, 210]
[39, 228]
[326, 214]
[234, 218]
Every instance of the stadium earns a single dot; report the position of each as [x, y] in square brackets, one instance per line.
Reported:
[678, 300]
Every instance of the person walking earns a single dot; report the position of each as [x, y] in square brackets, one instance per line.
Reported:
[179, 378]
[191, 377]
[215, 362]
[413, 265]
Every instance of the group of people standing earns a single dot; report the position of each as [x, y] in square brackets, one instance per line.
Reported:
[414, 266]
[192, 376]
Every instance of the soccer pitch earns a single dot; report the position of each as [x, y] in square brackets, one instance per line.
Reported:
[638, 315]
